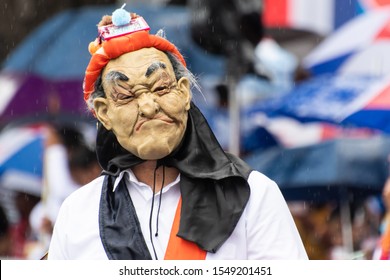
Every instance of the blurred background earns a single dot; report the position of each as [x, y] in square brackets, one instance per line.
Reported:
[299, 89]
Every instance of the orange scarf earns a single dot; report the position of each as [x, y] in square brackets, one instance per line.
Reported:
[180, 249]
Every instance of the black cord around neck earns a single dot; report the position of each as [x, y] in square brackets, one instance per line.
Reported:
[160, 199]
[151, 214]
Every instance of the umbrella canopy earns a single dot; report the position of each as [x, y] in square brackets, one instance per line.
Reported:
[327, 170]
[28, 95]
[21, 159]
[340, 170]
[58, 49]
[22, 149]
[357, 101]
[353, 37]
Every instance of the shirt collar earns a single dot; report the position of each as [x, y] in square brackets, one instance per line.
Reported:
[131, 177]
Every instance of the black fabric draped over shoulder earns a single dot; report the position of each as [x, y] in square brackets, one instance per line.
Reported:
[213, 187]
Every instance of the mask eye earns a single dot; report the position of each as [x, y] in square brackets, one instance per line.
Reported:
[122, 96]
[164, 89]
[161, 90]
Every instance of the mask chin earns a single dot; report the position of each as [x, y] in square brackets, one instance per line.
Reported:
[154, 152]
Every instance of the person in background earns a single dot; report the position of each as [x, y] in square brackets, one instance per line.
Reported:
[22, 234]
[383, 249]
[69, 163]
[5, 236]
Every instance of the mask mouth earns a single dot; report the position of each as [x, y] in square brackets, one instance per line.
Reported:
[146, 120]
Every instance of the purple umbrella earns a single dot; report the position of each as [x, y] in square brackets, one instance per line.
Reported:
[31, 96]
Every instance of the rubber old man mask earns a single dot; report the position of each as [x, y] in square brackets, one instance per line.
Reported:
[145, 106]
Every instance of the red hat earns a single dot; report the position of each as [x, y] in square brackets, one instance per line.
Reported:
[114, 46]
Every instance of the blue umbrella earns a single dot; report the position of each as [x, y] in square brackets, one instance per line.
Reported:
[22, 149]
[340, 170]
[21, 159]
[323, 171]
[58, 49]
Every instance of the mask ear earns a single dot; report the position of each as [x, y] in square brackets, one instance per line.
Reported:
[184, 87]
[100, 105]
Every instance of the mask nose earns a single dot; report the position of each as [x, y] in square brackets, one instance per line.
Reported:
[148, 106]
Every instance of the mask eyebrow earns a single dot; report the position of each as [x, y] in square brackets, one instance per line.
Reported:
[153, 67]
[114, 76]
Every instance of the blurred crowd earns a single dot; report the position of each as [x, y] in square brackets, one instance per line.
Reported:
[321, 228]
[27, 219]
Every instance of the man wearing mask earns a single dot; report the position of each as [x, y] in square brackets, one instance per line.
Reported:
[168, 190]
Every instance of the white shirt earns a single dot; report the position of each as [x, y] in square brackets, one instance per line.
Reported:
[266, 229]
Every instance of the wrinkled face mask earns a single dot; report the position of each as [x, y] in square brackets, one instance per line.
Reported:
[146, 107]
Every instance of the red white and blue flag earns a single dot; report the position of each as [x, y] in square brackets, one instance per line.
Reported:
[319, 16]
[349, 101]
[358, 47]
